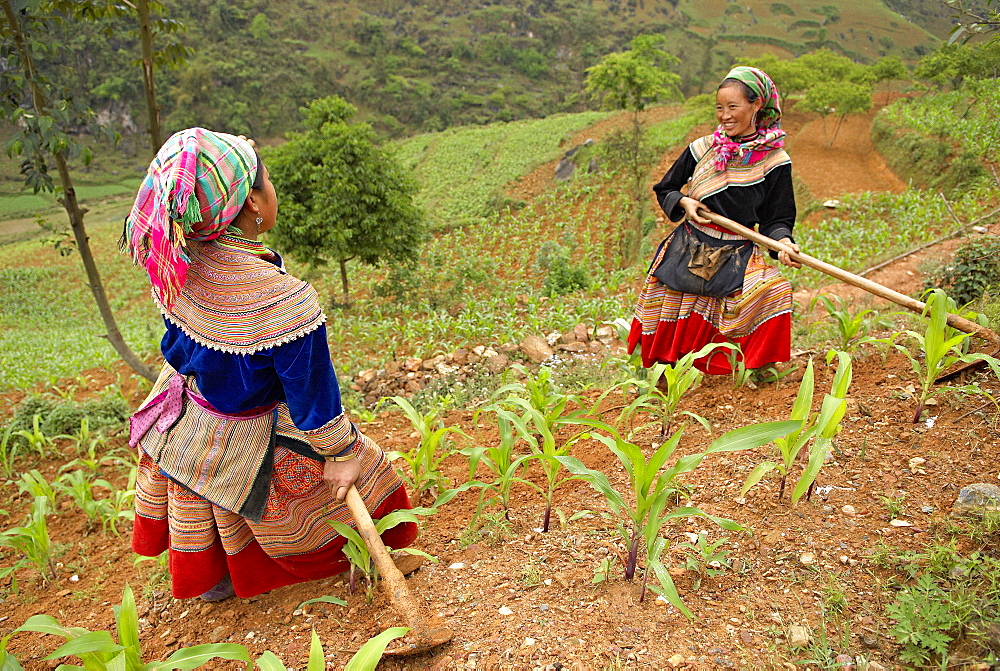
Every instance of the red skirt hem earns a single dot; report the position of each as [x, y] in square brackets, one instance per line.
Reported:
[771, 342]
[252, 570]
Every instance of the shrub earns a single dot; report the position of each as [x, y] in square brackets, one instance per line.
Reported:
[63, 417]
[563, 277]
[974, 270]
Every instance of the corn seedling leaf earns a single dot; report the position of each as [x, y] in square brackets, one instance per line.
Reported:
[198, 655]
[368, 657]
[92, 641]
[756, 475]
[316, 662]
[270, 662]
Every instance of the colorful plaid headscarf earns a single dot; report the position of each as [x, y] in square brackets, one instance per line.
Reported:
[193, 190]
[769, 135]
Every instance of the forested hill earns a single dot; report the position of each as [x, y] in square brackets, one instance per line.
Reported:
[413, 65]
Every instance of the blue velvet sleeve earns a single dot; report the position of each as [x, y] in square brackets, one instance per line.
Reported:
[311, 389]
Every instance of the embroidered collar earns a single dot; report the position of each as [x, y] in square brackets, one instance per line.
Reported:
[236, 243]
[237, 302]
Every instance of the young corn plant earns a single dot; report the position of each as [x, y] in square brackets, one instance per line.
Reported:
[32, 539]
[507, 467]
[8, 453]
[34, 483]
[818, 427]
[661, 389]
[357, 551]
[98, 650]
[538, 392]
[80, 488]
[852, 329]
[656, 489]
[36, 439]
[942, 347]
[426, 457]
[545, 447]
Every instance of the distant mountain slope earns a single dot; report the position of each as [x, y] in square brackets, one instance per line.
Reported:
[413, 65]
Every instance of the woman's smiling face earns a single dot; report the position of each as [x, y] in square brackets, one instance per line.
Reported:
[734, 112]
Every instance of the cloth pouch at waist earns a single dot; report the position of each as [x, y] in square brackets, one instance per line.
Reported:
[225, 459]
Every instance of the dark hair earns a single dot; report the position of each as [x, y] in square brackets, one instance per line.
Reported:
[747, 92]
[258, 180]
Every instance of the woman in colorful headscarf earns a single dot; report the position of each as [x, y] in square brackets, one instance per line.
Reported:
[246, 454]
[743, 173]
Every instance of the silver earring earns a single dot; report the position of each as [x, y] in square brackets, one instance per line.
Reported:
[259, 221]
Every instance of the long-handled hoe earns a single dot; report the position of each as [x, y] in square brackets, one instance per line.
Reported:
[422, 637]
[907, 302]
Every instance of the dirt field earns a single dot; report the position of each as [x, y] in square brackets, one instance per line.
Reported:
[529, 602]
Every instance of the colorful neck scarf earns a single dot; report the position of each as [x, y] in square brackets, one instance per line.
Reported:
[193, 190]
[768, 136]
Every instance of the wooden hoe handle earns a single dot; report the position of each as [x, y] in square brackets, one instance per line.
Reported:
[905, 301]
[392, 578]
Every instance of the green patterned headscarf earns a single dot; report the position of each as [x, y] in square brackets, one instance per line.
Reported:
[766, 91]
[769, 136]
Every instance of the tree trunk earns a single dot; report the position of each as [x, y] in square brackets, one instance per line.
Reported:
[76, 213]
[836, 131]
[343, 282]
[74, 210]
[152, 110]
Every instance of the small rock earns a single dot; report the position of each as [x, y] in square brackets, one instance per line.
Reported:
[74, 578]
[832, 204]
[977, 498]
[504, 610]
[900, 523]
[498, 363]
[536, 348]
[849, 510]
[456, 566]
[807, 558]
[676, 661]
[220, 634]
[529, 641]
[798, 636]
[927, 509]
[575, 347]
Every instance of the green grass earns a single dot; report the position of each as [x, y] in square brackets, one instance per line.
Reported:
[49, 325]
[462, 171]
[14, 205]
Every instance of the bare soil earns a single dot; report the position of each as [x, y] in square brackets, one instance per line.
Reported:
[787, 563]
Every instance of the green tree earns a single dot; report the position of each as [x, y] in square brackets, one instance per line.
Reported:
[631, 80]
[150, 23]
[45, 116]
[953, 63]
[826, 66]
[790, 76]
[838, 99]
[342, 197]
[887, 70]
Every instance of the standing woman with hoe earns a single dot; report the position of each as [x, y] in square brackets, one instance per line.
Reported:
[245, 453]
[705, 284]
